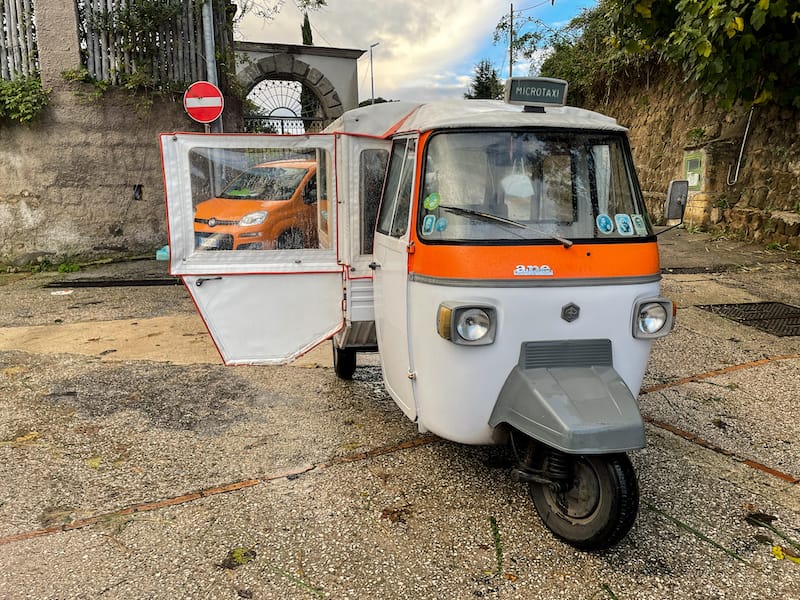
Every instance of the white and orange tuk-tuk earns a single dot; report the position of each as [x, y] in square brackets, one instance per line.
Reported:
[499, 257]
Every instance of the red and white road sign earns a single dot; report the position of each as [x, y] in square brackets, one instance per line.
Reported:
[203, 102]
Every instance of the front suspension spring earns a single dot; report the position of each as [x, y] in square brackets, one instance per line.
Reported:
[559, 469]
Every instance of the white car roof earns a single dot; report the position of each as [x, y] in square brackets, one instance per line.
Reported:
[382, 120]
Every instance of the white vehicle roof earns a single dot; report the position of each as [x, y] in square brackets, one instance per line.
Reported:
[385, 119]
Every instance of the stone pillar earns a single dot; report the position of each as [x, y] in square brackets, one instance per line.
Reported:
[57, 40]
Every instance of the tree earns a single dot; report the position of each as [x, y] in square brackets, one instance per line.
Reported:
[305, 30]
[734, 50]
[267, 9]
[744, 50]
[308, 101]
[486, 83]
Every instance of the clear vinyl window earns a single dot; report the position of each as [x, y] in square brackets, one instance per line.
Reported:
[529, 186]
[396, 202]
[259, 199]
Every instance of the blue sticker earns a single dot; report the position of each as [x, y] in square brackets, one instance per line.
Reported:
[441, 224]
[431, 201]
[624, 225]
[428, 223]
[639, 224]
[604, 223]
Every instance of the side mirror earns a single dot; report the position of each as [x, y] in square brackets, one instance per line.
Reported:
[675, 205]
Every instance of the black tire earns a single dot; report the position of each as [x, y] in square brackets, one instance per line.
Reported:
[599, 508]
[344, 362]
[290, 239]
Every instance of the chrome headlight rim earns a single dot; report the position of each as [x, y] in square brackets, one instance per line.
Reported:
[467, 324]
[652, 318]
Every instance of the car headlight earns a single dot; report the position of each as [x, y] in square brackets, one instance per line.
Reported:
[253, 218]
[468, 325]
[652, 318]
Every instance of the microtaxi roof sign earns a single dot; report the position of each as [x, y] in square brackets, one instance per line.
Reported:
[203, 102]
[536, 91]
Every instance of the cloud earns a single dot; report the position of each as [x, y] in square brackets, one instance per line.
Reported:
[426, 49]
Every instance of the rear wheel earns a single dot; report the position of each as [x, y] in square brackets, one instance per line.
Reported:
[344, 362]
[598, 506]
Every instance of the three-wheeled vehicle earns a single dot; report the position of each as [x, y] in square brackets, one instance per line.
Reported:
[499, 257]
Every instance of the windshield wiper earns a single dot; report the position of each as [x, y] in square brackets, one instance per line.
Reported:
[504, 221]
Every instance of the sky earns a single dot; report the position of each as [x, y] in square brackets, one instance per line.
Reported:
[427, 49]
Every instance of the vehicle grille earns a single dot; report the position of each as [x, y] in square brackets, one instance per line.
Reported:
[216, 222]
[565, 353]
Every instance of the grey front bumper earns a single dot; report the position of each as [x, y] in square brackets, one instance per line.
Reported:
[576, 409]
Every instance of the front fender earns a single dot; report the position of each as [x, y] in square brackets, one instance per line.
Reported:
[576, 409]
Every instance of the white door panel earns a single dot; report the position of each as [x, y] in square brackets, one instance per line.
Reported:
[268, 319]
[265, 306]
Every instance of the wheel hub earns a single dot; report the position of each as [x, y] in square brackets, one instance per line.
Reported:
[580, 501]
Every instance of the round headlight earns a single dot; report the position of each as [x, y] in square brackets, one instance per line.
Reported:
[473, 324]
[652, 317]
[253, 218]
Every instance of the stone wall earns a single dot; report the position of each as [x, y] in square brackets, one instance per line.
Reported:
[667, 121]
[84, 179]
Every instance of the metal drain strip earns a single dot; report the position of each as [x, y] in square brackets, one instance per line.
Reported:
[776, 318]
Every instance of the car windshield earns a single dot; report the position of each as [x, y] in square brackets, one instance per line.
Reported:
[529, 186]
[265, 183]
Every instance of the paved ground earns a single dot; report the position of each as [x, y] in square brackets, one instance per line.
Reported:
[134, 465]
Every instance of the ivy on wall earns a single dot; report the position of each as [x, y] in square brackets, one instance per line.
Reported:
[22, 99]
[732, 50]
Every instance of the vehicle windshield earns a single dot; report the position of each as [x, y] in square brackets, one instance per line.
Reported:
[265, 183]
[529, 186]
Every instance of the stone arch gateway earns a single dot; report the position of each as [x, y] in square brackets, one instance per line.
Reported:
[329, 73]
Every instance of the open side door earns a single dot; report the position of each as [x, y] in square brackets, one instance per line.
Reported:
[250, 221]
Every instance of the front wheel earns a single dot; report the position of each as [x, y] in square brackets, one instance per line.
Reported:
[599, 505]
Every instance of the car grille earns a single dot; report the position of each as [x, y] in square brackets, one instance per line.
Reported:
[216, 222]
[565, 353]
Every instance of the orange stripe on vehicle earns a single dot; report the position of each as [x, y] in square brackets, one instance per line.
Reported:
[628, 259]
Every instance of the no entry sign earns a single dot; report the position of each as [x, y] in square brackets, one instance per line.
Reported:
[203, 102]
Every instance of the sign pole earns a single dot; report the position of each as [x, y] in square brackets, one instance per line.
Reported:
[210, 52]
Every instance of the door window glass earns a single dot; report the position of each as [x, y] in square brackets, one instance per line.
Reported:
[258, 199]
[529, 187]
[372, 171]
[396, 203]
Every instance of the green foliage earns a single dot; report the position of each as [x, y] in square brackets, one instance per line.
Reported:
[735, 50]
[22, 99]
[579, 52]
[68, 267]
[486, 83]
[696, 136]
[98, 87]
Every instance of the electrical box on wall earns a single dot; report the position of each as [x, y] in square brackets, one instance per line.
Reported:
[693, 170]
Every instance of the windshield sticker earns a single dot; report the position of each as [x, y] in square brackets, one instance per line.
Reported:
[639, 224]
[537, 270]
[428, 223]
[431, 201]
[604, 223]
[624, 225]
[441, 224]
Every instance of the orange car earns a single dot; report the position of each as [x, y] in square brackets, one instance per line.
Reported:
[270, 206]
